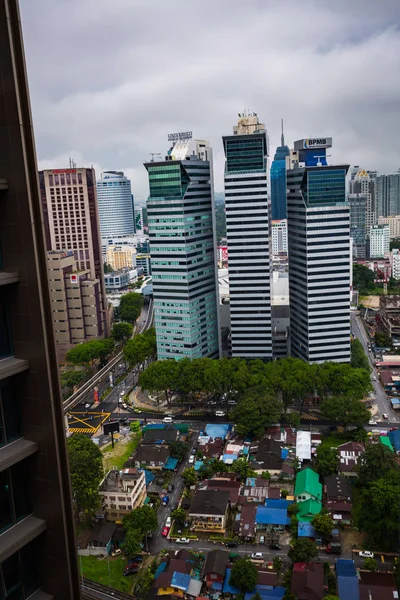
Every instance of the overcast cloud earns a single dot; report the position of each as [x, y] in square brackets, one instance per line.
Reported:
[110, 78]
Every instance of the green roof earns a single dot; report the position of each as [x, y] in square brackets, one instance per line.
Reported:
[308, 509]
[386, 442]
[307, 480]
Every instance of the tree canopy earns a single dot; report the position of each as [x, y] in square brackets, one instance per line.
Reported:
[345, 411]
[140, 348]
[359, 359]
[142, 519]
[189, 476]
[122, 332]
[363, 279]
[323, 524]
[130, 307]
[255, 412]
[326, 460]
[303, 550]
[87, 353]
[86, 471]
[70, 378]
[178, 450]
[243, 575]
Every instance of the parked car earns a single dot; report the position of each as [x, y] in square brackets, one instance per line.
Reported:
[88, 405]
[366, 554]
[193, 451]
[165, 531]
[116, 552]
[135, 559]
[191, 459]
[262, 539]
[373, 378]
[275, 546]
[385, 416]
[182, 540]
[167, 420]
[219, 413]
[171, 488]
[124, 405]
[168, 522]
[257, 555]
[372, 422]
[131, 571]
[165, 500]
[231, 545]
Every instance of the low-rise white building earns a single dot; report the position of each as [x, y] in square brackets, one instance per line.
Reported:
[122, 492]
[395, 262]
[279, 237]
[379, 241]
[303, 445]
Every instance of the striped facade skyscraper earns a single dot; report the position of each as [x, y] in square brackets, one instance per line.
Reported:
[319, 254]
[248, 233]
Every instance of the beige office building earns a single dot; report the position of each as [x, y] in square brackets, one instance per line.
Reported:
[71, 221]
[394, 225]
[75, 301]
[121, 257]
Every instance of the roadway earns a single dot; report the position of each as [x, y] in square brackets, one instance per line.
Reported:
[380, 396]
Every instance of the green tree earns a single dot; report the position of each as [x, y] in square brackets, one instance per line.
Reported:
[243, 575]
[323, 524]
[107, 268]
[377, 462]
[178, 515]
[134, 426]
[70, 378]
[160, 376]
[256, 411]
[178, 450]
[345, 411]
[140, 348]
[86, 473]
[85, 354]
[256, 596]
[293, 419]
[142, 519]
[358, 357]
[363, 278]
[370, 564]
[383, 340]
[303, 550]
[130, 307]
[133, 538]
[331, 597]
[360, 435]
[326, 460]
[277, 564]
[242, 468]
[121, 332]
[377, 512]
[106, 349]
[189, 477]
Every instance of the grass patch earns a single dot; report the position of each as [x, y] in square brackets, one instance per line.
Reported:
[119, 455]
[97, 570]
[335, 439]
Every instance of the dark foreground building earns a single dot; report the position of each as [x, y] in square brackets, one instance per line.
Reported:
[37, 543]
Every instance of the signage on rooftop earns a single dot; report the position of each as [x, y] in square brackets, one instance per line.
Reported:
[57, 171]
[177, 137]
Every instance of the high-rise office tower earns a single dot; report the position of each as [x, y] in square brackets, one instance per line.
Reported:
[358, 228]
[364, 182]
[278, 181]
[319, 255]
[71, 220]
[388, 195]
[37, 540]
[182, 243]
[114, 197]
[139, 219]
[248, 234]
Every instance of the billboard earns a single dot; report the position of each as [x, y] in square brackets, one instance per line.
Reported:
[74, 278]
[111, 427]
[183, 135]
[313, 143]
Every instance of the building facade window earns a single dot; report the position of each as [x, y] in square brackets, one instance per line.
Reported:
[5, 334]
[10, 421]
[14, 497]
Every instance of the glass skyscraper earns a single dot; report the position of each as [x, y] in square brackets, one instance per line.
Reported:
[278, 181]
[319, 255]
[114, 197]
[181, 231]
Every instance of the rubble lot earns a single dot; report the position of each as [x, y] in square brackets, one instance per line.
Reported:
[350, 537]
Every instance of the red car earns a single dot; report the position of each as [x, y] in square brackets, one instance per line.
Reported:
[165, 531]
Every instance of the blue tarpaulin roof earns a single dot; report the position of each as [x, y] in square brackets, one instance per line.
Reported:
[220, 430]
[171, 463]
[395, 439]
[180, 581]
[277, 503]
[148, 475]
[226, 588]
[345, 567]
[284, 453]
[198, 464]
[229, 458]
[348, 588]
[216, 586]
[271, 516]
[305, 530]
[267, 592]
[160, 569]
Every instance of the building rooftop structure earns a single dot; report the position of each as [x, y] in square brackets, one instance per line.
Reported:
[209, 502]
[116, 481]
[307, 481]
[307, 581]
[337, 487]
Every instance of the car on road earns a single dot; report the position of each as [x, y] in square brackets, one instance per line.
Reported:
[193, 451]
[167, 420]
[231, 545]
[385, 416]
[165, 531]
[168, 522]
[165, 500]
[275, 546]
[171, 488]
[366, 554]
[191, 459]
[131, 571]
[372, 422]
[124, 405]
[182, 540]
[257, 555]
[116, 552]
[88, 405]
[373, 378]
[262, 540]
[219, 413]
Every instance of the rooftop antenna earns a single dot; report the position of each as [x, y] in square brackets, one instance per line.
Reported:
[153, 154]
[282, 136]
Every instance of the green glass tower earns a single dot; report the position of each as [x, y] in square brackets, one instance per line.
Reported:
[181, 231]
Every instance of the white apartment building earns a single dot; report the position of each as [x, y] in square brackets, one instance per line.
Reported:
[122, 492]
[279, 237]
[379, 239]
[394, 225]
[395, 261]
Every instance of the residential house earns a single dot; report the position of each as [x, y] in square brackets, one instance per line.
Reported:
[272, 516]
[122, 492]
[224, 482]
[308, 509]
[266, 455]
[338, 495]
[316, 440]
[286, 435]
[307, 581]
[100, 541]
[153, 457]
[307, 486]
[215, 568]
[161, 436]
[212, 449]
[247, 524]
[348, 457]
[209, 510]
[377, 586]
[303, 445]
[255, 489]
[305, 529]
[347, 580]
[288, 471]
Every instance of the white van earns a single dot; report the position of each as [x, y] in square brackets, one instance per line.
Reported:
[167, 420]
[219, 413]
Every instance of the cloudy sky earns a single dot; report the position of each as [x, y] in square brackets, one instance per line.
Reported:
[110, 78]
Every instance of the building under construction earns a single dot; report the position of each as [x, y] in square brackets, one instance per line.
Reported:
[389, 307]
